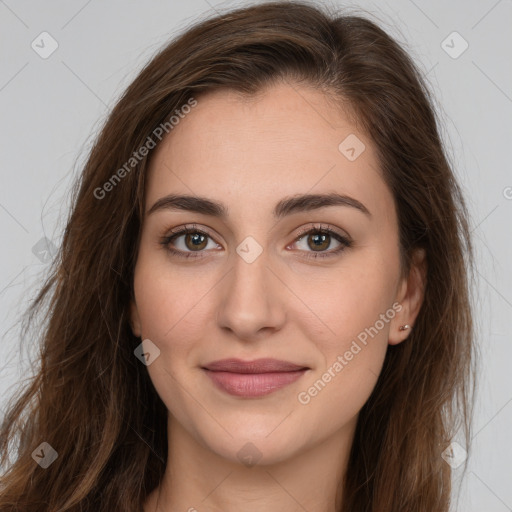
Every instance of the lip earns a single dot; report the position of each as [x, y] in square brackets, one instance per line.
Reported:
[250, 379]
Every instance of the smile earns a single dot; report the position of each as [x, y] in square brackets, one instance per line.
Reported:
[251, 379]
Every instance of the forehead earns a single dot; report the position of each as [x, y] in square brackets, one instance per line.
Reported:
[252, 151]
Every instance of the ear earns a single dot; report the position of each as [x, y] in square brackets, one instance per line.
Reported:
[410, 296]
[135, 319]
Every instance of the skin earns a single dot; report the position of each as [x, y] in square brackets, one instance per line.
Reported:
[249, 153]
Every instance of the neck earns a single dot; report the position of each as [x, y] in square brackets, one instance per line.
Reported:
[197, 479]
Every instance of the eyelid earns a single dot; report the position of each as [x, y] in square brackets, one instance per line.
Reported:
[302, 231]
[322, 227]
[180, 230]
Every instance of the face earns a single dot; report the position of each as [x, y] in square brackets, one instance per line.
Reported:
[311, 283]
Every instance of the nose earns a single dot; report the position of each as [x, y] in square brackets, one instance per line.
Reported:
[253, 299]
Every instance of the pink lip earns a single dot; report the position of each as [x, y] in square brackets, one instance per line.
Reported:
[253, 378]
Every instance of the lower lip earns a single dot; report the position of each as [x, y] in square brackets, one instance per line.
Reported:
[249, 385]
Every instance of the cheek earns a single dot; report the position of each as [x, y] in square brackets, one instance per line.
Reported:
[169, 306]
[343, 303]
[170, 298]
[349, 327]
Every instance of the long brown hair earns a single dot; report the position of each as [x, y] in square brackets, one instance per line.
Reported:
[92, 400]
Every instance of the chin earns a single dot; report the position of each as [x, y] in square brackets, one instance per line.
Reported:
[254, 445]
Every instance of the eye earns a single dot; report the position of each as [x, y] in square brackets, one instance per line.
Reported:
[320, 238]
[190, 242]
[194, 241]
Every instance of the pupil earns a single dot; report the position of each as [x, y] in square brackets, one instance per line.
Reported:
[197, 239]
[319, 240]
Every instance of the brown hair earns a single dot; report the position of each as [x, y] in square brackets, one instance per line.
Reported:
[93, 401]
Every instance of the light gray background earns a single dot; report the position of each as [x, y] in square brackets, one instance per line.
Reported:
[50, 109]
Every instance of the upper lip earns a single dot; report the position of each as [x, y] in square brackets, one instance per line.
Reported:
[264, 365]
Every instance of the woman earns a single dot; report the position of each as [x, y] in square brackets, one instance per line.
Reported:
[262, 295]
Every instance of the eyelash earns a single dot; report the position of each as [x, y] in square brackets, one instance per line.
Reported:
[345, 242]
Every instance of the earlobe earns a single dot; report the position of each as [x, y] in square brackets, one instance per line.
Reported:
[410, 296]
[134, 319]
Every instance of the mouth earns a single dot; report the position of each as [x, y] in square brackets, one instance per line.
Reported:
[252, 379]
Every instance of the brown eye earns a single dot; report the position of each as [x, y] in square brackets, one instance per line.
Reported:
[188, 242]
[319, 241]
[195, 241]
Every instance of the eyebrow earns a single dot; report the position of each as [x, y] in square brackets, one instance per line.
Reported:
[286, 206]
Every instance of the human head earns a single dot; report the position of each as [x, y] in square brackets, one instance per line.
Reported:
[374, 83]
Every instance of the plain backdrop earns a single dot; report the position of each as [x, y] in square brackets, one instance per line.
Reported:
[51, 108]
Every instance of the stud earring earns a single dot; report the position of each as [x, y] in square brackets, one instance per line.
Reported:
[404, 327]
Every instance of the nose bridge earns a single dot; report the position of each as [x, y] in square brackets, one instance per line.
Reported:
[251, 297]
